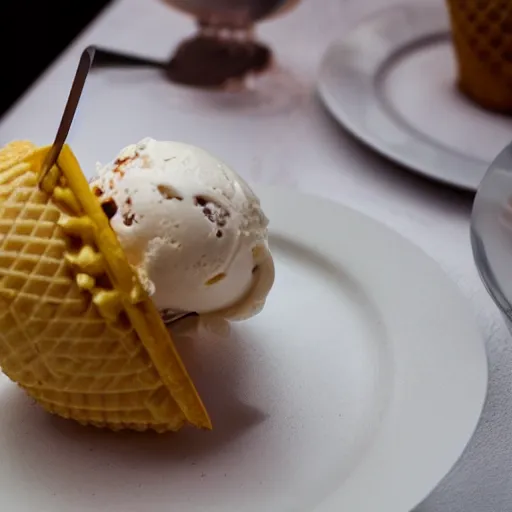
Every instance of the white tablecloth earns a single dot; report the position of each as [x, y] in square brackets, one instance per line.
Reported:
[300, 147]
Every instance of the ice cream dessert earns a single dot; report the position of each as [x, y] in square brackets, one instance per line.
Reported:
[190, 226]
[88, 271]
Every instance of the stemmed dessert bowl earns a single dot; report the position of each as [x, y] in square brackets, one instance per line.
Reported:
[491, 232]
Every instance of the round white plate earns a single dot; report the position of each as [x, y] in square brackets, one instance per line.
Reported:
[355, 390]
[391, 83]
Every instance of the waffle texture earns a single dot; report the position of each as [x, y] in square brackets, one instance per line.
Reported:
[482, 36]
[77, 331]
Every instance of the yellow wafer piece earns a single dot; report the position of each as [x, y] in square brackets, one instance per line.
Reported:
[77, 330]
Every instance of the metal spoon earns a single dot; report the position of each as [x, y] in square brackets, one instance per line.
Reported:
[91, 57]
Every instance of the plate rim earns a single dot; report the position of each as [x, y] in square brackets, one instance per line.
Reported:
[406, 501]
[328, 78]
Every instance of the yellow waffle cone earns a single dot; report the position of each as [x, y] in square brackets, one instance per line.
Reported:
[77, 331]
[482, 36]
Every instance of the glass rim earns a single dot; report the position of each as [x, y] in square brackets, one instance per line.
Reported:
[482, 263]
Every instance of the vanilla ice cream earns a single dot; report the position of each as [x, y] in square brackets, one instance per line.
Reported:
[190, 226]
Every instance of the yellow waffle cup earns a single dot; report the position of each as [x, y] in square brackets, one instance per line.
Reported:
[77, 331]
[482, 36]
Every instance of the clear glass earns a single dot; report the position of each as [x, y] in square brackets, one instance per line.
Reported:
[226, 40]
[491, 232]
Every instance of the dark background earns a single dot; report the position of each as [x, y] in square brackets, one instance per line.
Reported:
[33, 34]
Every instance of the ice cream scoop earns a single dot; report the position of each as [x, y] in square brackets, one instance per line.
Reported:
[190, 226]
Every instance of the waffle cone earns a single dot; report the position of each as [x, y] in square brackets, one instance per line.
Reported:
[482, 36]
[77, 331]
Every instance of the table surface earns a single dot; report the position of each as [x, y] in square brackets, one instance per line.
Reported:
[300, 146]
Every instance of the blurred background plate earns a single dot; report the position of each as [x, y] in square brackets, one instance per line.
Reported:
[391, 83]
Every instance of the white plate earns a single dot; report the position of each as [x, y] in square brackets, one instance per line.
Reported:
[391, 83]
[355, 390]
